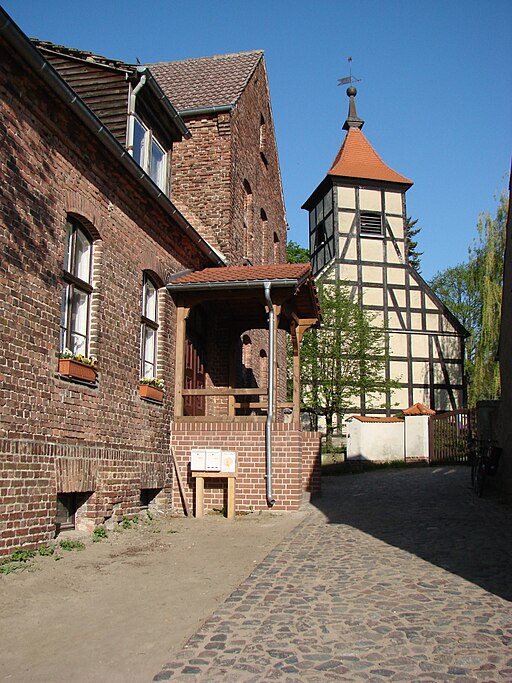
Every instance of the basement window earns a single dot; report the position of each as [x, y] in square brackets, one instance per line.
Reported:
[67, 506]
[370, 223]
[147, 497]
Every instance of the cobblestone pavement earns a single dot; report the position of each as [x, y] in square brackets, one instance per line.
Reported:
[398, 575]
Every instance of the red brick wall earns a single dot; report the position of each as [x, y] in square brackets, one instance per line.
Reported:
[209, 171]
[295, 463]
[51, 166]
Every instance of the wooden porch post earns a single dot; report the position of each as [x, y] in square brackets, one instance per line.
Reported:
[181, 324]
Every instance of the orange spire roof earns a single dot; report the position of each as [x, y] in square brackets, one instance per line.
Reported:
[358, 159]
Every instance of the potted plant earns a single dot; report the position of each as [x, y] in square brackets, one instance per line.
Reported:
[78, 366]
[152, 388]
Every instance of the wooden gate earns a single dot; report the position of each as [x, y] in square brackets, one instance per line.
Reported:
[450, 437]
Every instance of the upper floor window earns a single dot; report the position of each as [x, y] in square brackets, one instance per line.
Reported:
[149, 328]
[263, 140]
[370, 223]
[277, 249]
[248, 222]
[76, 294]
[149, 154]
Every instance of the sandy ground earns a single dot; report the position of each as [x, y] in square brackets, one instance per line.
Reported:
[119, 609]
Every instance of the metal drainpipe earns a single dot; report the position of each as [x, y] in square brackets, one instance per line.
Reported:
[270, 399]
[131, 111]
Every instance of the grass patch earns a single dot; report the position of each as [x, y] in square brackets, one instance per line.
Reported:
[72, 544]
[99, 533]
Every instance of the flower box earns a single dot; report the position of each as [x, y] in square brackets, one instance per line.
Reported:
[77, 370]
[153, 393]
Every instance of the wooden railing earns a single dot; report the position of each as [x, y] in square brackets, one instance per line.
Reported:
[449, 438]
[233, 393]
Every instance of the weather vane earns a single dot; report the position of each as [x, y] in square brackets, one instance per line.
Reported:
[350, 78]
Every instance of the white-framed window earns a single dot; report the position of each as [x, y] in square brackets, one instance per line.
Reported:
[149, 328]
[76, 294]
[149, 154]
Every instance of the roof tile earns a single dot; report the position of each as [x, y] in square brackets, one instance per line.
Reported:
[206, 81]
[276, 271]
[358, 159]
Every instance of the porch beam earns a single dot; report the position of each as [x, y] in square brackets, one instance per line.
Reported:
[179, 379]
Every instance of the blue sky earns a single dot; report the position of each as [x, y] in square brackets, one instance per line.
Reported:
[435, 90]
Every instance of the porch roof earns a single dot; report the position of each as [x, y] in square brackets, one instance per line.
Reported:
[241, 289]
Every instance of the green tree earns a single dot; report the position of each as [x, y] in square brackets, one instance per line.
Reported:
[488, 255]
[295, 253]
[411, 245]
[457, 288]
[343, 360]
[472, 291]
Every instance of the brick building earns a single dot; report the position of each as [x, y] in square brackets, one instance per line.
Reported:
[90, 238]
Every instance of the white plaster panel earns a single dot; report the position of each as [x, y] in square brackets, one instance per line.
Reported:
[396, 276]
[347, 197]
[400, 298]
[398, 370]
[377, 318]
[372, 274]
[348, 271]
[419, 345]
[393, 320]
[420, 372]
[430, 304]
[421, 395]
[446, 325]
[397, 226]
[449, 347]
[400, 398]
[372, 296]
[345, 220]
[397, 344]
[394, 202]
[415, 298]
[432, 322]
[370, 200]
[391, 255]
[352, 248]
[371, 249]
[416, 322]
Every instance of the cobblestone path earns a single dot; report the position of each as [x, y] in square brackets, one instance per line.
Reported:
[394, 576]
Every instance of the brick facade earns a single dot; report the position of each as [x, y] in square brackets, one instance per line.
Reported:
[112, 441]
[295, 463]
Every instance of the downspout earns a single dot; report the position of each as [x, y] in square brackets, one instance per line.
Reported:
[270, 394]
[131, 112]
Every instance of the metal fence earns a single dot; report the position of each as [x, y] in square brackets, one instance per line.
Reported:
[450, 437]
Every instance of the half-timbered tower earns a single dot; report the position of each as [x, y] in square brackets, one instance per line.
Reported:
[357, 218]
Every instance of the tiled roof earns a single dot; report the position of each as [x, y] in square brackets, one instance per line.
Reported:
[277, 271]
[358, 159]
[370, 418]
[206, 81]
[418, 409]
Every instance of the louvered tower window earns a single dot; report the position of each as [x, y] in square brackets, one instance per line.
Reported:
[371, 223]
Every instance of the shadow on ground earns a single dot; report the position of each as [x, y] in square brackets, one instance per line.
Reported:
[431, 513]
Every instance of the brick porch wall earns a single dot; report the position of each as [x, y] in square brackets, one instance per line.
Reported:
[295, 463]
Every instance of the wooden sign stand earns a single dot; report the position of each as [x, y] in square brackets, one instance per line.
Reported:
[201, 476]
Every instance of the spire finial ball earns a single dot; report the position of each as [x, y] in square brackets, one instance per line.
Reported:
[351, 91]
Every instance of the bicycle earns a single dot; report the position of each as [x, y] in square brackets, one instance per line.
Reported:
[485, 463]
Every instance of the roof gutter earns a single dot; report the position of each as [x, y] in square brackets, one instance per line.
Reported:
[38, 63]
[171, 111]
[230, 284]
[200, 111]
